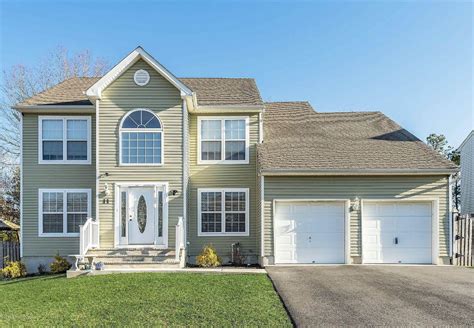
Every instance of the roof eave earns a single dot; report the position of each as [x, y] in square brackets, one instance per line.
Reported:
[95, 91]
[55, 108]
[326, 172]
[217, 109]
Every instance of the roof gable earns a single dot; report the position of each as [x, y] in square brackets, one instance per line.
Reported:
[466, 141]
[95, 91]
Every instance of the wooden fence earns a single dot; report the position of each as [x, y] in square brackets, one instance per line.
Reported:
[9, 251]
[463, 239]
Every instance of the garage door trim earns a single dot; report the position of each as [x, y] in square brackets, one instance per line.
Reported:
[347, 204]
[434, 221]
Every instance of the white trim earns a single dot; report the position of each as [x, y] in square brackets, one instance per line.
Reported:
[158, 186]
[262, 215]
[95, 91]
[450, 215]
[21, 185]
[65, 212]
[60, 109]
[222, 233]
[260, 127]
[97, 166]
[434, 220]
[185, 170]
[227, 109]
[64, 140]
[325, 172]
[347, 218]
[469, 136]
[222, 119]
[154, 130]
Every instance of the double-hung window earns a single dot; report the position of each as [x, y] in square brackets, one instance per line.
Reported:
[223, 140]
[61, 211]
[64, 140]
[223, 212]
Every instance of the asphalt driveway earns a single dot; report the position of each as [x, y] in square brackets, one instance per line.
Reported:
[376, 295]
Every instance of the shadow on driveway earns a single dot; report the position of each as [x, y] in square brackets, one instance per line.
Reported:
[376, 295]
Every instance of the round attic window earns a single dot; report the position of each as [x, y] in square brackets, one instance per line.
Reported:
[141, 77]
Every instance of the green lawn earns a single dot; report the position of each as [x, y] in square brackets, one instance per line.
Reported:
[142, 299]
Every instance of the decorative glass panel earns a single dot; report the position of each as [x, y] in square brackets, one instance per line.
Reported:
[141, 214]
[160, 214]
[123, 213]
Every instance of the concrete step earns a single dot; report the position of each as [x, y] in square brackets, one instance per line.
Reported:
[135, 259]
[132, 252]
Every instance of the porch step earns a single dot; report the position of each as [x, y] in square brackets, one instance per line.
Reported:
[100, 252]
[134, 258]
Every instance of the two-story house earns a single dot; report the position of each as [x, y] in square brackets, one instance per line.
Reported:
[139, 168]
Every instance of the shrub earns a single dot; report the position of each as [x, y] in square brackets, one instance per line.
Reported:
[41, 269]
[59, 265]
[14, 270]
[208, 257]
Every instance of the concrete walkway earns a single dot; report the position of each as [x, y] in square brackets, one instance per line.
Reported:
[376, 295]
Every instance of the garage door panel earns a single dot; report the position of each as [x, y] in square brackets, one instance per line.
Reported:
[397, 232]
[309, 232]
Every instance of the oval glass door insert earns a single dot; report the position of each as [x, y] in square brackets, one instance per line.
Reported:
[141, 214]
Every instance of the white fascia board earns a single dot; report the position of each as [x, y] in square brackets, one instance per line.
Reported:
[471, 135]
[309, 172]
[55, 108]
[95, 91]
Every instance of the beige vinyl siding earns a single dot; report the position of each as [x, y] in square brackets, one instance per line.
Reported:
[396, 187]
[223, 176]
[39, 176]
[122, 96]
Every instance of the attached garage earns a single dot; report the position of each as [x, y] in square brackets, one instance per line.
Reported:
[398, 232]
[310, 231]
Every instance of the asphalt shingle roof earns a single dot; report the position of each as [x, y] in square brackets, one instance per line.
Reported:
[209, 91]
[298, 138]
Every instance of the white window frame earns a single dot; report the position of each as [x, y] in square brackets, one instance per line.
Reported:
[64, 140]
[161, 131]
[223, 119]
[223, 191]
[65, 212]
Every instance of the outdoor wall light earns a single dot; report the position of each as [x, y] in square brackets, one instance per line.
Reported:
[355, 204]
[174, 192]
[106, 190]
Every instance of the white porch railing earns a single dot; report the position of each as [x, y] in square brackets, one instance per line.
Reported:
[180, 231]
[88, 236]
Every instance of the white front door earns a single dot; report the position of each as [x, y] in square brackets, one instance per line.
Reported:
[142, 215]
[397, 232]
[309, 232]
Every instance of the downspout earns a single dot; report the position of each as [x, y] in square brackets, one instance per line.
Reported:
[21, 185]
[185, 170]
[450, 215]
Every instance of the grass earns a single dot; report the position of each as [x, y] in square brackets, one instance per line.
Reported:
[142, 299]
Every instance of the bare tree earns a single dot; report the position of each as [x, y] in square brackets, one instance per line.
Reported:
[21, 82]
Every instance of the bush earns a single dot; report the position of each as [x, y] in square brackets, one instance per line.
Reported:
[59, 265]
[41, 269]
[14, 270]
[208, 257]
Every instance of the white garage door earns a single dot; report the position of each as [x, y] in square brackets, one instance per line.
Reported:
[397, 232]
[309, 232]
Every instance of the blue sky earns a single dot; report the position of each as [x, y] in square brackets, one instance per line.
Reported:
[411, 60]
